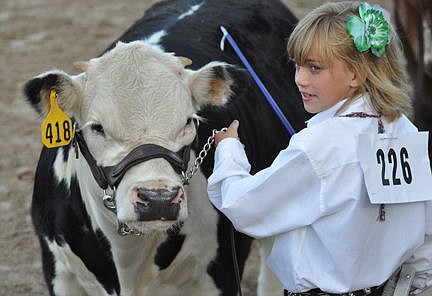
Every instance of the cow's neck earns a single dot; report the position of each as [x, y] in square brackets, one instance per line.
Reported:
[132, 255]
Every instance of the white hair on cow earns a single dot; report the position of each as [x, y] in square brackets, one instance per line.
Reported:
[154, 40]
[191, 11]
[63, 172]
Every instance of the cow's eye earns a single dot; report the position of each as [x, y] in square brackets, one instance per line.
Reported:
[98, 128]
[189, 120]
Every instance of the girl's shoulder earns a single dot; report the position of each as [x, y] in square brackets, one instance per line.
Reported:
[332, 131]
[334, 142]
[402, 124]
[328, 145]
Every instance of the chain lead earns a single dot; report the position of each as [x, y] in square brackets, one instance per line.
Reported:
[186, 176]
[124, 230]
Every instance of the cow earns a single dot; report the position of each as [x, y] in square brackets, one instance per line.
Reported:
[413, 20]
[122, 208]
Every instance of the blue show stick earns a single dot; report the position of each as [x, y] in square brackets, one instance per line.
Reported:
[263, 89]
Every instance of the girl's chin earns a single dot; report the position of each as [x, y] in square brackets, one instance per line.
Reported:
[309, 107]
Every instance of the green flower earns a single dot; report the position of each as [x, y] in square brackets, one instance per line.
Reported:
[371, 30]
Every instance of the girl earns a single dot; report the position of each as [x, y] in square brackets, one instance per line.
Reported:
[337, 228]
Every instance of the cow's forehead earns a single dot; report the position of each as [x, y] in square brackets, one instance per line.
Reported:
[136, 85]
[135, 55]
[135, 66]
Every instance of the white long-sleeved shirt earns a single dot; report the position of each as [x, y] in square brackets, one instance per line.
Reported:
[314, 201]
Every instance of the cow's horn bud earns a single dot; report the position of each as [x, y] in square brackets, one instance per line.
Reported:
[82, 66]
[185, 61]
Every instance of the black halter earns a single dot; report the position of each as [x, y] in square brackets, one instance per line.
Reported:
[112, 175]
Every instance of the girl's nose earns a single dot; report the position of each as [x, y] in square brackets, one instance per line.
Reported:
[300, 76]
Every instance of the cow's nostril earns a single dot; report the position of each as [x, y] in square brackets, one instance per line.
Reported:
[146, 195]
[158, 203]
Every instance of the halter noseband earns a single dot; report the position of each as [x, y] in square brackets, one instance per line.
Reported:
[112, 175]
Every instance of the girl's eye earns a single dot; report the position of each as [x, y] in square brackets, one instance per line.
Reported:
[315, 68]
[98, 128]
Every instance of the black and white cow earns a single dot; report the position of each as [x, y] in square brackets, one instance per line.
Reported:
[136, 109]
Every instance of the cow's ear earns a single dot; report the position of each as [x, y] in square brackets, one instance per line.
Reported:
[68, 89]
[211, 84]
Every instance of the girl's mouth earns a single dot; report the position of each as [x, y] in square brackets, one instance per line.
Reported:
[307, 97]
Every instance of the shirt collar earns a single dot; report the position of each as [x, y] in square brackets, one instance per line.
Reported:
[360, 103]
[326, 114]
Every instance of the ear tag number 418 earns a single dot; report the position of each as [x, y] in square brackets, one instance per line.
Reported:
[57, 128]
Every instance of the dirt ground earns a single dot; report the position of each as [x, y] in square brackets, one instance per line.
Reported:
[37, 36]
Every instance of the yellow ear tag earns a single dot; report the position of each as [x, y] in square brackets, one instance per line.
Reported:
[56, 130]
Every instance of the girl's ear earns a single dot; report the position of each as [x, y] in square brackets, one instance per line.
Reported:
[358, 78]
[355, 82]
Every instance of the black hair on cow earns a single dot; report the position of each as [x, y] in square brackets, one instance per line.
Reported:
[33, 88]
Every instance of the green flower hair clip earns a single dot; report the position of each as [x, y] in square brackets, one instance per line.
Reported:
[371, 30]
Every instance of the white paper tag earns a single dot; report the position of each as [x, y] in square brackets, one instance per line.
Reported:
[396, 167]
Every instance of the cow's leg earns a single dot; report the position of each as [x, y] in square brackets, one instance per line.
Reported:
[59, 279]
[63, 282]
[47, 264]
[71, 277]
[268, 284]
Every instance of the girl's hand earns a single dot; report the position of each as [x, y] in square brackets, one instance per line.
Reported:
[230, 133]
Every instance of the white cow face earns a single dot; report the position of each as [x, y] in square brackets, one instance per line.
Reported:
[132, 96]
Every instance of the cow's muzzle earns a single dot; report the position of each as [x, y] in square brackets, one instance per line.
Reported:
[158, 204]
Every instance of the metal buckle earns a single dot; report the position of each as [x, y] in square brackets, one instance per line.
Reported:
[109, 200]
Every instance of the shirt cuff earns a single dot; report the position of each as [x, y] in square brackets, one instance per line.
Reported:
[233, 149]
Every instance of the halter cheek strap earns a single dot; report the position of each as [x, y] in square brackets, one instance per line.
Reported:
[97, 171]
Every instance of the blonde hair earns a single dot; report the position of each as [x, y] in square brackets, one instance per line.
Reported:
[384, 78]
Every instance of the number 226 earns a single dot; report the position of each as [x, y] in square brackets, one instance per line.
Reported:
[394, 159]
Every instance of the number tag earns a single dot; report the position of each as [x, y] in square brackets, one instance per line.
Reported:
[396, 167]
[56, 129]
